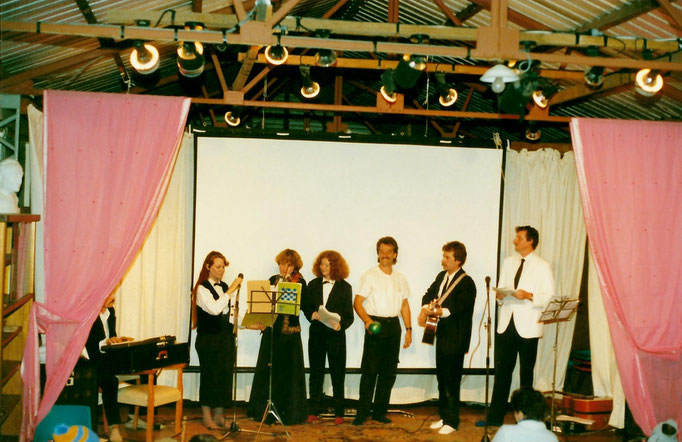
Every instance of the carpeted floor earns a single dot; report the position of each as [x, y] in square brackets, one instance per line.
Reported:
[411, 424]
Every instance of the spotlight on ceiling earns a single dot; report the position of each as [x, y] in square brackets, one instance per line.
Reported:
[447, 96]
[325, 57]
[648, 82]
[499, 75]
[532, 132]
[415, 61]
[191, 54]
[310, 88]
[144, 58]
[233, 117]
[594, 76]
[277, 54]
[542, 95]
[388, 90]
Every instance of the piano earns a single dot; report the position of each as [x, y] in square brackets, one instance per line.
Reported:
[147, 354]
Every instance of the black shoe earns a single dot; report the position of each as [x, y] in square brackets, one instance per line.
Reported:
[383, 419]
[490, 424]
[359, 420]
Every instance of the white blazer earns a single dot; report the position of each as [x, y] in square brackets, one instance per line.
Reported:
[537, 279]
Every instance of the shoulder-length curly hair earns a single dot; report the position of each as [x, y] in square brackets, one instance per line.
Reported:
[338, 266]
[290, 256]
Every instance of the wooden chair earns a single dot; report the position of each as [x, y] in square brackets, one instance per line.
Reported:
[152, 396]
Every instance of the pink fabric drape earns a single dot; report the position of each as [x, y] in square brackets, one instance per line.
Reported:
[630, 178]
[108, 161]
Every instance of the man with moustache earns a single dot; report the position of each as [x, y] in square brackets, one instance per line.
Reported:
[382, 297]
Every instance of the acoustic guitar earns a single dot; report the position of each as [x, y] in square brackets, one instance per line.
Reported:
[431, 326]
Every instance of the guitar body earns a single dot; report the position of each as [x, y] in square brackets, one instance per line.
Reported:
[430, 330]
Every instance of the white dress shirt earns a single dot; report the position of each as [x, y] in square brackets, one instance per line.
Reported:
[212, 306]
[327, 286]
[536, 278]
[383, 293]
[525, 431]
[104, 317]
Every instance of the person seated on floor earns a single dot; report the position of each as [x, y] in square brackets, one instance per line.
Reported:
[530, 410]
[103, 332]
[664, 432]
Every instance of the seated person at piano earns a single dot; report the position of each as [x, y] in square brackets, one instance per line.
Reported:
[103, 332]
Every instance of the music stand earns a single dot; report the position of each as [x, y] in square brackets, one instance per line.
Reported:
[558, 310]
[285, 299]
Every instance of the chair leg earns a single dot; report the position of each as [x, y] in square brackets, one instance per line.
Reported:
[137, 415]
[178, 415]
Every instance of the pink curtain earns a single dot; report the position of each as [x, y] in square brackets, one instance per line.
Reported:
[630, 178]
[108, 161]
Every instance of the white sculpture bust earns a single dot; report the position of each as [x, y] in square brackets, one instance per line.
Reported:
[11, 175]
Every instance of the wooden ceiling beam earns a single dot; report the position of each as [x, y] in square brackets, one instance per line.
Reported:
[336, 27]
[632, 9]
[515, 17]
[373, 109]
[448, 13]
[468, 12]
[582, 90]
[673, 12]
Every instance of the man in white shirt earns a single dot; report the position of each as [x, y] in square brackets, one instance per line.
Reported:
[382, 297]
[518, 329]
[530, 410]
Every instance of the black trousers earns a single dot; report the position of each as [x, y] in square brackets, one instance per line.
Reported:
[379, 365]
[449, 375]
[507, 345]
[326, 343]
[216, 363]
[108, 382]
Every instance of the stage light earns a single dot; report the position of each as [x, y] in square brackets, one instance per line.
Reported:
[388, 90]
[325, 57]
[594, 76]
[310, 88]
[498, 76]
[144, 58]
[277, 54]
[191, 54]
[648, 82]
[533, 133]
[542, 95]
[232, 117]
[447, 96]
[416, 62]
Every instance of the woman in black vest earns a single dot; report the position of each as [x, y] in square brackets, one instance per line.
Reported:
[214, 342]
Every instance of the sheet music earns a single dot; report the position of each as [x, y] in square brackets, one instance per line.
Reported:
[328, 318]
[506, 291]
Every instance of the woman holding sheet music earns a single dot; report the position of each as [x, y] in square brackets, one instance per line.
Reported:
[328, 305]
[288, 375]
[214, 342]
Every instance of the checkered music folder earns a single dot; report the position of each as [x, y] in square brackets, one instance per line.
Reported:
[288, 298]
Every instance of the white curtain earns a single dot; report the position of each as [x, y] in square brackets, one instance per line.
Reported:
[541, 190]
[35, 142]
[153, 297]
[605, 376]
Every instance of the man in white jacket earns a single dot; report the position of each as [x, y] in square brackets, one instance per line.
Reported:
[529, 280]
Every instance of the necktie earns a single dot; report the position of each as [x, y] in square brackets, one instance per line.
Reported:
[445, 286]
[518, 274]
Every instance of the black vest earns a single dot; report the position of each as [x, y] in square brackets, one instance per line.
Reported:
[207, 323]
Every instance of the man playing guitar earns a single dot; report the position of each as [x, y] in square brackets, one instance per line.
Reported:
[449, 302]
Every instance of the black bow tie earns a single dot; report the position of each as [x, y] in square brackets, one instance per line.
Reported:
[327, 282]
[216, 283]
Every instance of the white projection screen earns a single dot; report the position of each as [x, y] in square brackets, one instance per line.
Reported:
[256, 197]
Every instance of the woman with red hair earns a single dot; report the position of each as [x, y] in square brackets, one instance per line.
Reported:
[329, 293]
[214, 342]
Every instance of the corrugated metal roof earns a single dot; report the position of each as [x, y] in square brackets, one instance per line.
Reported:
[47, 61]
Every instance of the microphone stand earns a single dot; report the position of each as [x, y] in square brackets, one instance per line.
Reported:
[234, 427]
[486, 436]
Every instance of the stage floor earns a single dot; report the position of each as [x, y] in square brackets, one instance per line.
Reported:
[413, 427]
